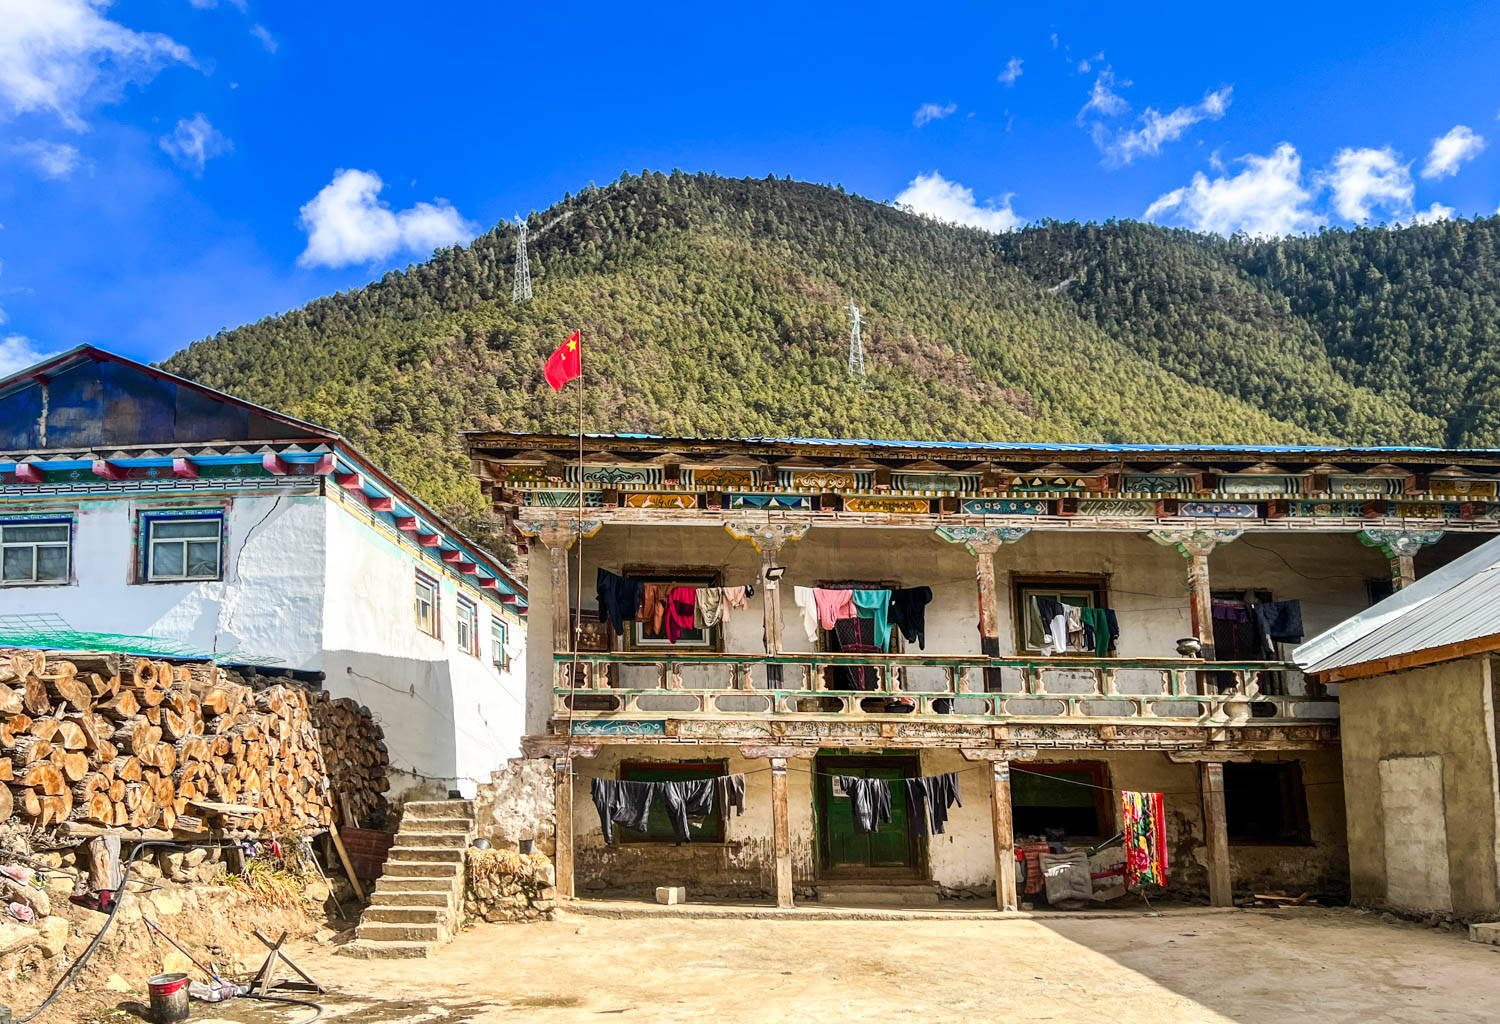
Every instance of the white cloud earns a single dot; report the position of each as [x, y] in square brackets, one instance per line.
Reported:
[267, 40]
[1448, 151]
[1012, 71]
[934, 196]
[1157, 128]
[56, 160]
[64, 55]
[1103, 98]
[1365, 181]
[18, 352]
[933, 112]
[347, 224]
[1433, 214]
[194, 142]
[1267, 198]
[208, 5]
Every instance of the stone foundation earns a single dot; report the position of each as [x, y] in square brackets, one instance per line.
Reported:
[500, 885]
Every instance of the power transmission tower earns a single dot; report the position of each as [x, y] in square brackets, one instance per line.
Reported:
[521, 292]
[856, 344]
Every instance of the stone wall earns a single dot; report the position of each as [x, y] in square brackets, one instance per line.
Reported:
[517, 804]
[503, 886]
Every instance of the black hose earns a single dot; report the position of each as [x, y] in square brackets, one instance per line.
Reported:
[317, 1008]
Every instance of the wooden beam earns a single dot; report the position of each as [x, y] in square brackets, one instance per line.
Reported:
[781, 827]
[488, 583]
[406, 524]
[508, 598]
[324, 466]
[382, 504]
[451, 556]
[1412, 659]
[1005, 836]
[275, 464]
[463, 567]
[185, 469]
[29, 473]
[562, 816]
[349, 481]
[338, 844]
[429, 540]
[106, 470]
[1216, 834]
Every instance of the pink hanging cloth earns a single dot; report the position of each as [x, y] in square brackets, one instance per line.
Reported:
[681, 604]
[833, 605]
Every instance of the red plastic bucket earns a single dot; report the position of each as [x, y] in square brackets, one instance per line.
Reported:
[169, 997]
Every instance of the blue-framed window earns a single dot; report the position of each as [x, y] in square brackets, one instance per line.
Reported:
[498, 655]
[466, 615]
[35, 551]
[182, 546]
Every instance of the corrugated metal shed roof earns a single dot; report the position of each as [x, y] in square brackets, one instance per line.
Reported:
[1457, 603]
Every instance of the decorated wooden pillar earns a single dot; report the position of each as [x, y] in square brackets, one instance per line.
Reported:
[983, 542]
[558, 535]
[781, 826]
[1401, 547]
[769, 539]
[1216, 833]
[562, 814]
[1005, 836]
[1195, 546]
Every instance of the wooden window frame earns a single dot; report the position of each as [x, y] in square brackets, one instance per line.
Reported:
[499, 657]
[466, 611]
[1099, 778]
[1021, 584]
[719, 766]
[689, 575]
[420, 580]
[1293, 802]
[66, 543]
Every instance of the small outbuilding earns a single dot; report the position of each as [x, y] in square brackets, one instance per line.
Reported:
[1416, 677]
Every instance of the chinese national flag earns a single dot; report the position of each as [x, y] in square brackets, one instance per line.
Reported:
[566, 363]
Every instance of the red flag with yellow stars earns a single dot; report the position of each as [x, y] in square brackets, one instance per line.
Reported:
[566, 363]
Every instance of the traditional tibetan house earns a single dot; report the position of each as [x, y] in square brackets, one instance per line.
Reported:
[1201, 557]
[1417, 680]
[177, 518]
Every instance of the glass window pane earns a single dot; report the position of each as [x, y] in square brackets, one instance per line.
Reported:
[167, 559]
[203, 558]
[162, 529]
[31, 534]
[17, 563]
[52, 563]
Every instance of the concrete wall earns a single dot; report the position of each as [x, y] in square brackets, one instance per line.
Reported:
[1442, 711]
[450, 717]
[268, 604]
[963, 857]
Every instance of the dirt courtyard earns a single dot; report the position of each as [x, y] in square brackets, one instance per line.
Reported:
[1263, 967]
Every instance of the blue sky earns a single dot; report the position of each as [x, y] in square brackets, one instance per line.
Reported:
[169, 168]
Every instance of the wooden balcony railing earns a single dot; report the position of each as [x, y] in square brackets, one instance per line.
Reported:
[632, 685]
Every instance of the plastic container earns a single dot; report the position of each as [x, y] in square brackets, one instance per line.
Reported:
[169, 997]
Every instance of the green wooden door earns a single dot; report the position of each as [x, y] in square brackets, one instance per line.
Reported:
[889, 846]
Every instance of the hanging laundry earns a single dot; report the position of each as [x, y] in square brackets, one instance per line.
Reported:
[928, 800]
[875, 605]
[1100, 630]
[1279, 622]
[869, 801]
[682, 606]
[1230, 611]
[1075, 627]
[714, 603]
[1053, 616]
[833, 605]
[1145, 828]
[909, 613]
[684, 800]
[619, 597]
[807, 604]
[848, 638]
[1067, 876]
[621, 803]
[731, 793]
[654, 597]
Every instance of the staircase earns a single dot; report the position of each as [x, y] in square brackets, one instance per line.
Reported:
[910, 895]
[417, 901]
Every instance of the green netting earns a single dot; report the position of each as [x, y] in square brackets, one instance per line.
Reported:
[49, 631]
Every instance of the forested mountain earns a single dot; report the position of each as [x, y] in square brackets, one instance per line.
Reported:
[718, 306]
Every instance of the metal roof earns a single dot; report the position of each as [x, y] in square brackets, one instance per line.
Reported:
[1015, 446]
[1457, 603]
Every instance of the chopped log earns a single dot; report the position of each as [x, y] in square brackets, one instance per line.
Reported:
[11, 700]
[28, 750]
[26, 802]
[70, 736]
[44, 728]
[68, 689]
[7, 773]
[34, 696]
[7, 803]
[45, 777]
[13, 726]
[121, 707]
[74, 765]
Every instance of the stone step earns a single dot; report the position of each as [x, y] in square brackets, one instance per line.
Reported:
[390, 884]
[436, 854]
[431, 840]
[422, 868]
[439, 809]
[876, 895]
[381, 932]
[405, 915]
[439, 898]
[364, 949]
[445, 825]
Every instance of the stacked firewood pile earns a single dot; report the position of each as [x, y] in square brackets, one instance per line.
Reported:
[122, 742]
[355, 752]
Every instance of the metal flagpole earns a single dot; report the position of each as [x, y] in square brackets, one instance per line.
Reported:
[578, 598]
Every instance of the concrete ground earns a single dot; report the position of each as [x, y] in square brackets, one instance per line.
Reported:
[1250, 967]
